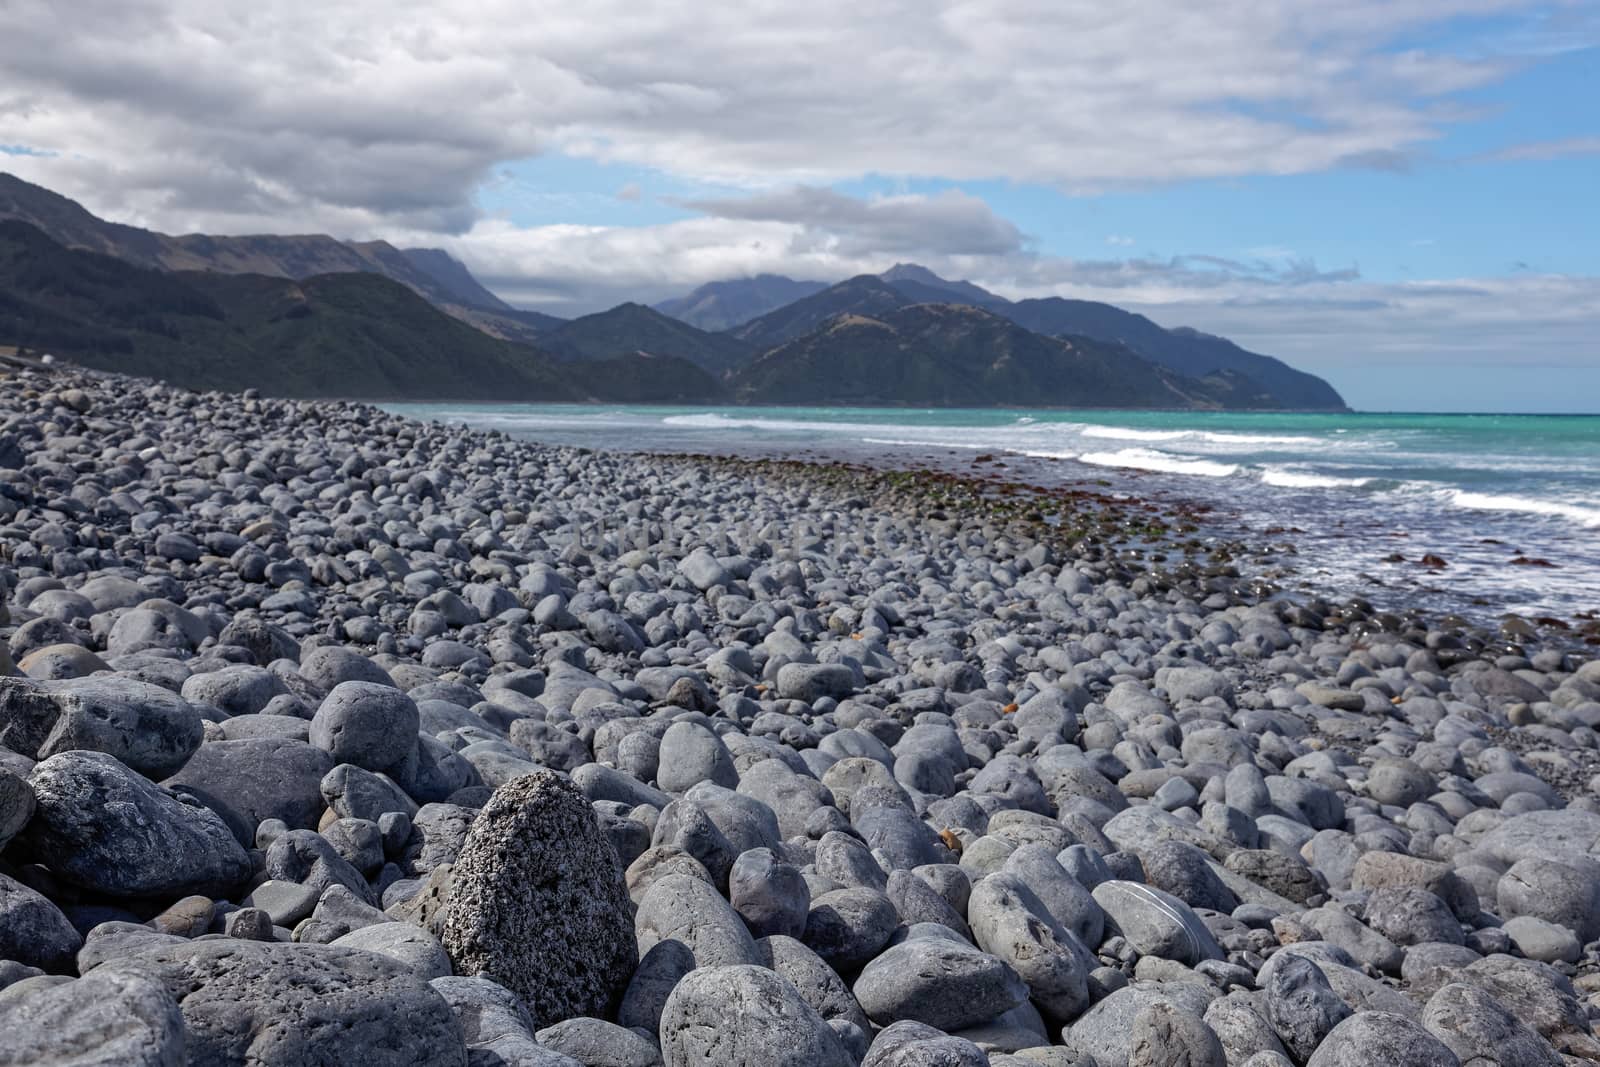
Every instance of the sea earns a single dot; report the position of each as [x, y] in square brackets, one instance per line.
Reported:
[1509, 503]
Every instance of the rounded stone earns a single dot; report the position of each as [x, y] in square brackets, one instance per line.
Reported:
[33, 930]
[770, 895]
[1480, 1030]
[1380, 1037]
[691, 754]
[101, 827]
[370, 725]
[944, 983]
[130, 1020]
[745, 1016]
[847, 927]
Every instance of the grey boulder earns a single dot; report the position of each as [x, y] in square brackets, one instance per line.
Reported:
[745, 1016]
[104, 828]
[270, 1004]
[537, 901]
[146, 727]
[104, 1018]
[33, 930]
[1156, 923]
[1381, 1037]
[255, 779]
[947, 984]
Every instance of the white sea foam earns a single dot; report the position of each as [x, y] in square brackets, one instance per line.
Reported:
[1461, 498]
[1258, 439]
[1127, 433]
[927, 443]
[1148, 459]
[711, 420]
[1290, 479]
[1210, 437]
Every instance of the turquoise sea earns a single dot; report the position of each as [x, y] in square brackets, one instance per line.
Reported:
[1354, 490]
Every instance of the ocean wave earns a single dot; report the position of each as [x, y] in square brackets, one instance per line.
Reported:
[710, 420]
[1127, 433]
[1221, 438]
[1462, 498]
[1287, 479]
[1046, 454]
[1148, 459]
[926, 443]
[1210, 437]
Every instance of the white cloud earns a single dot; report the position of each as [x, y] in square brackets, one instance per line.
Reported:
[1566, 148]
[950, 222]
[1332, 321]
[359, 116]
[369, 119]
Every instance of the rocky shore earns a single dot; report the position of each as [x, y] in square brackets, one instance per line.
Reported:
[327, 737]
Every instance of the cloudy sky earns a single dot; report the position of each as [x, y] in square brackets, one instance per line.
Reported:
[1398, 194]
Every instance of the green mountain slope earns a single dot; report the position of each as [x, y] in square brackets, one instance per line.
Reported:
[956, 355]
[630, 329]
[338, 335]
[1185, 350]
[1188, 352]
[865, 294]
[432, 273]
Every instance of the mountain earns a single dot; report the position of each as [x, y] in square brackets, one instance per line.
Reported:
[1185, 350]
[940, 355]
[453, 279]
[924, 285]
[512, 324]
[725, 305]
[865, 294]
[718, 328]
[629, 329]
[1189, 352]
[432, 273]
[352, 334]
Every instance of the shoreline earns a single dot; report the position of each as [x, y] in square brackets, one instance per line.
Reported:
[1274, 552]
[621, 750]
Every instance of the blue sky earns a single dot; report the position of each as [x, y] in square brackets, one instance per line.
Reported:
[1455, 209]
[1397, 194]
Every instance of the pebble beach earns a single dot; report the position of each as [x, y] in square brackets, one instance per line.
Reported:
[328, 736]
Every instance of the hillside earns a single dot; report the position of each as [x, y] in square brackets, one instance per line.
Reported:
[339, 335]
[630, 329]
[1189, 352]
[725, 305]
[1184, 350]
[865, 295]
[943, 355]
[432, 273]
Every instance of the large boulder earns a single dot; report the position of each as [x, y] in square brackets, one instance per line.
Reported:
[371, 725]
[102, 827]
[277, 1005]
[106, 1017]
[538, 903]
[146, 727]
[745, 1016]
[255, 779]
[1156, 923]
[34, 931]
[942, 982]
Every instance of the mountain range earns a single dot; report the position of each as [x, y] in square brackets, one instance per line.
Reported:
[316, 316]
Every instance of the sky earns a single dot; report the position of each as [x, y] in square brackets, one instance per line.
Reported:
[1399, 195]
